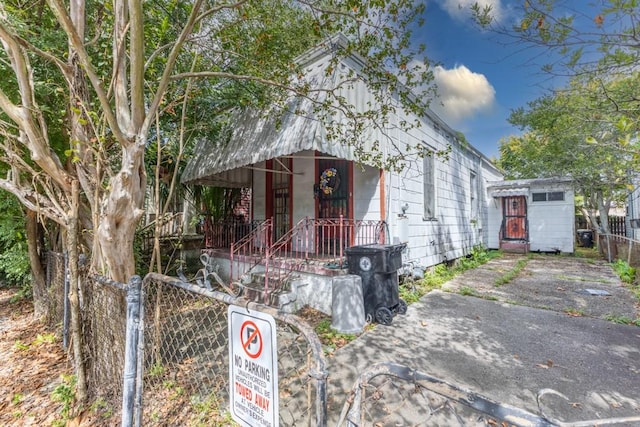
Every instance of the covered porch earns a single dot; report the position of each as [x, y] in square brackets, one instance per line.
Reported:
[309, 201]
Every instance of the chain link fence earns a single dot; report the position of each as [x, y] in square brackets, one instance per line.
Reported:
[56, 274]
[103, 304]
[185, 358]
[613, 247]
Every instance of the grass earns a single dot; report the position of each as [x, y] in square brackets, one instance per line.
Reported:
[575, 312]
[623, 320]
[467, 291]
[513, 273]
[331, 338]
[412, 290]
[591, 254]
[625, 271]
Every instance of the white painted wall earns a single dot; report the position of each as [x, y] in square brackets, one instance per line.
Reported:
[551, 223]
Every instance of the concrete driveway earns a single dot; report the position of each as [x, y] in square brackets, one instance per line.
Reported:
[502, 347]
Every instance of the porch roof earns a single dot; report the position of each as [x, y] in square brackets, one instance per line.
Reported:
[509, 192]
[257, 137]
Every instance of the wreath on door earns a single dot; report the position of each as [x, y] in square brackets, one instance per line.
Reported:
[329, 181]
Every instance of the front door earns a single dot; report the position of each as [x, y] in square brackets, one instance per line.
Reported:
[514, 210]
[333, 203]
[333, 183]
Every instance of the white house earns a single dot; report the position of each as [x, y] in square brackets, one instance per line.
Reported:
[532, 215]
[312, 199]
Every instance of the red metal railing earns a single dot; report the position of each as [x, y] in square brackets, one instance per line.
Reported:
[319, 241]
[221, 234]
[316, 243]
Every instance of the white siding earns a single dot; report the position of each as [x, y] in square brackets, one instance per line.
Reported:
[366, 193]
[551, 224]
[452, 232]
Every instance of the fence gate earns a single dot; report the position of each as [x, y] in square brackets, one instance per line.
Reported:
[390, 394]
[183, 359]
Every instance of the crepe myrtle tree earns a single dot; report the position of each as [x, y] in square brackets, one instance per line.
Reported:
[87, 84]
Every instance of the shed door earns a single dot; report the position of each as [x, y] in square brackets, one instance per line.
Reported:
[515, 218]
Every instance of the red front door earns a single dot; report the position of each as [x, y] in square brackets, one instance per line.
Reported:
[333, 202]
[514, 211]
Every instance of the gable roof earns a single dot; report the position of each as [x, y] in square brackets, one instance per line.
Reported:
[257, 136]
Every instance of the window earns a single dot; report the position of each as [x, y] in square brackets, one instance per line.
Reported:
[555, 196]
[473, 191]
[552, 196]
[429, 186]
[539, 197]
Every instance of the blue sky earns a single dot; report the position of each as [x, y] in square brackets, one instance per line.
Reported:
[480, 79]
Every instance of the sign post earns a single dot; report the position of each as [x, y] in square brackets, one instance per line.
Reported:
[253, 368]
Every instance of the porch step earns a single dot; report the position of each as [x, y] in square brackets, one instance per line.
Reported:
[282, 297]
[514, 247]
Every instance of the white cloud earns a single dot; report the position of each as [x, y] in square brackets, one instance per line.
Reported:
[461, 9]
[462, 94]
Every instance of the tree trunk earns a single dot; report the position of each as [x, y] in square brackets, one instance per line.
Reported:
[121, 212]
[74, 301]
[39, 283]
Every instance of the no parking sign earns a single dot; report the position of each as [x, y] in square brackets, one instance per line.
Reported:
[253, 367]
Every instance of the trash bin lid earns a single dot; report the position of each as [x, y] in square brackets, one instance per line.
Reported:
[374, 248]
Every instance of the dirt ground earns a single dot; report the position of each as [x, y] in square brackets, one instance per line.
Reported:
[33, 364]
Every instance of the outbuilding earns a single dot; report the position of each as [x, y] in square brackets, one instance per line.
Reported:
[531, 215]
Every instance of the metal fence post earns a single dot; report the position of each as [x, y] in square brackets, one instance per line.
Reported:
[134, 291]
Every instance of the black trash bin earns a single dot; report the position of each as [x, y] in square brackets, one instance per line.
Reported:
[378, 267]
[585, 237]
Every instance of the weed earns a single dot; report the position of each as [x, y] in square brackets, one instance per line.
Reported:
[24, 293]
[45, 339]
[590, 254]
[408, 292]
[625, 271]
[467, 291]
[513, 273]
[438, 275]
[100, 406]
[19, 345]
[575, 312]
[330, 337]
[65, 394]
[177, 392]
[156, 370]
[208, 412]
[622, 320]
[16, 414]
[17, 398]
